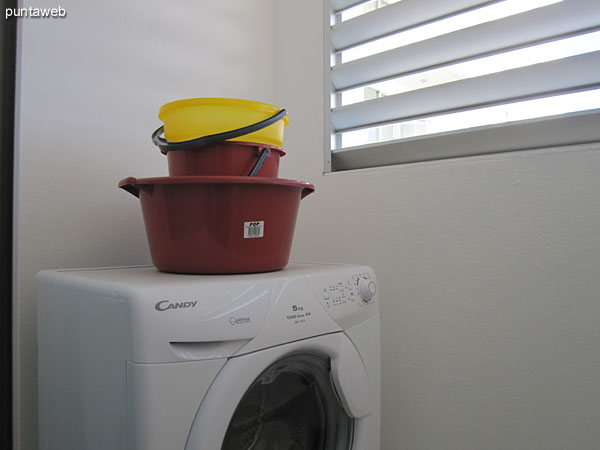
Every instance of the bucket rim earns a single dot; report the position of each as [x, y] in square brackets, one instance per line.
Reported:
[220, 102]
[228, 143]
[217, 179]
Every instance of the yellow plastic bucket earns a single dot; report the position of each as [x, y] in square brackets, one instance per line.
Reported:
[196, 117]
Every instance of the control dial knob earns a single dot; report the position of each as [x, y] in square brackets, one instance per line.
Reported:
[366, 289]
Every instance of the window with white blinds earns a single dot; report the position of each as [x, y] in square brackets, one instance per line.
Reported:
[416, 80]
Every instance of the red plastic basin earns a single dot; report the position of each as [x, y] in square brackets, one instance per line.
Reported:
[230, 158]
[219, 225]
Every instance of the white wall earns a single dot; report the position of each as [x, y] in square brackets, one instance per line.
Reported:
[90, 88]
[488, 273]
[487, 266]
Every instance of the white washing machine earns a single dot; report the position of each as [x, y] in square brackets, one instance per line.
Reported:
[136, 359]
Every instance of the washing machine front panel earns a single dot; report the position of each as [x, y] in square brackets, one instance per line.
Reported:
[294, 313]
[166, 320]
[308, 303]
[311, 394]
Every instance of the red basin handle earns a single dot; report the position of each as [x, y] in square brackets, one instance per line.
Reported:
[307, 191]
[129, 184]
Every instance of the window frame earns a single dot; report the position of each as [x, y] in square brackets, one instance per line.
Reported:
[573, 128]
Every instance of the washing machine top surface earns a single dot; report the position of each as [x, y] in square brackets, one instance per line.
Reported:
[174, 317]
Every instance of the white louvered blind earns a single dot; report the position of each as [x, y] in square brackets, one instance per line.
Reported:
[417, 80]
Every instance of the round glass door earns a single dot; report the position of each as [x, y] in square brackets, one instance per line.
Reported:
[291, 405]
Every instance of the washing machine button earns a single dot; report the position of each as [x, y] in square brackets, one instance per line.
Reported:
[366, 289]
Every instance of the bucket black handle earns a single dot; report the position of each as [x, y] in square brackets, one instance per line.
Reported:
[259, 162]
[166, 146]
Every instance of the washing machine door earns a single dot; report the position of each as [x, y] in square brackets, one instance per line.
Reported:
[306, 395]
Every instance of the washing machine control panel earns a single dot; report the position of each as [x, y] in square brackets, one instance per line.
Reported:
[358, 290]
[348, 298]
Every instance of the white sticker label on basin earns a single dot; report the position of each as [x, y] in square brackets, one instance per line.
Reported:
[254, 229]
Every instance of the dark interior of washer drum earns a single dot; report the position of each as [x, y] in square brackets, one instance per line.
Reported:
[292, 405]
